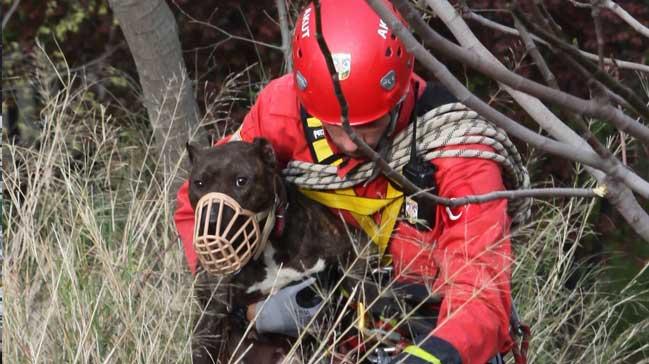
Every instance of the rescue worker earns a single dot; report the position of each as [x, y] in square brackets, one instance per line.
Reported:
[466, 256]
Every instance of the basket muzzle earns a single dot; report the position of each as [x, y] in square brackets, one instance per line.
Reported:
[227, 236]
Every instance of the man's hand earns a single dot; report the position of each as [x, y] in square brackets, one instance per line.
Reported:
[287, 311]
[428, 350]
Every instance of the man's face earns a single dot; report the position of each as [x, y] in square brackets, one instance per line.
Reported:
[370, 133]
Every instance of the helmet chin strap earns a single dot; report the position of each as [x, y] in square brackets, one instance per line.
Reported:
[394, 116]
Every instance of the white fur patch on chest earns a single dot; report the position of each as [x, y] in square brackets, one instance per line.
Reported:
[278, 277]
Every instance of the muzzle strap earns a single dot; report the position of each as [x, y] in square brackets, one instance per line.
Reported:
[269, 224]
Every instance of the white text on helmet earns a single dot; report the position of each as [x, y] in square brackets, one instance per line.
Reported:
[383, 29]
[305, 23]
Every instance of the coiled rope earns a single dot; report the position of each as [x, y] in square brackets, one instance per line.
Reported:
[446, 125]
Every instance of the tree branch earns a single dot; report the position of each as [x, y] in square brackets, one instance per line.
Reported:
[624, 15]
[550, 79]
[502, 74]
[286, 33]
[471, 15]
[626, 203]
[636, 102]
[595, 13]
[548, 76]
[527, 193]
[567, 151]
[151, 33]
[10, 13]
[540, 113]
[225, 32]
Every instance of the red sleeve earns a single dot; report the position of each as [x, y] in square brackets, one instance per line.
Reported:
[473, 254]
[184, 218]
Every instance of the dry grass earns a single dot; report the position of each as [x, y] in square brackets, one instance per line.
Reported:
[94, 274]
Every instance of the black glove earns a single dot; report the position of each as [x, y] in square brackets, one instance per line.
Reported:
[428, 350]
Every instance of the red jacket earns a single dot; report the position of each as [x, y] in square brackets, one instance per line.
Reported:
[467, 259]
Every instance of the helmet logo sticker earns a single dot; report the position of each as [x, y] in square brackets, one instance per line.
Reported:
[389, 80]
[301, 81]
[343, 64]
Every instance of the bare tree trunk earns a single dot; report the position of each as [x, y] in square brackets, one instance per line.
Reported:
[152, 35]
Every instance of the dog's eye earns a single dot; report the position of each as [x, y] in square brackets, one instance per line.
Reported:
[198, 183]
[241, 181]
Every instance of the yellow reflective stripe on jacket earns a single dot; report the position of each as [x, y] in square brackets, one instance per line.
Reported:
[313, 122]
[421, 354]
[321, 149]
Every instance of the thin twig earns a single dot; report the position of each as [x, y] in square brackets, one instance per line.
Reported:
[551, 80]
[527, 193]
[502, 74]
[634, 100]
[544, 10]
[286, 33]
[579, 4]
[472, 15]
[547, 74]
[624, 15]
[595, 13]
[623, 147]
[620, 12]
[225, 32]
[541, 15]
[10, 13]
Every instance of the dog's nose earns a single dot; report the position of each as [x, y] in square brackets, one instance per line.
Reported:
[211, 226]
[223, 222]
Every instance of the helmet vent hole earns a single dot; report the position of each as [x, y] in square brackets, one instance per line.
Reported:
[388, 52]
[399, 52]
[393, 36]
[299, 52]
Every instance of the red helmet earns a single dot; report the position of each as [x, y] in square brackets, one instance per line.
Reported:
[372, 63]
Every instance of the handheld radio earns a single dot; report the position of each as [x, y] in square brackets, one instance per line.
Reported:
[419, 210]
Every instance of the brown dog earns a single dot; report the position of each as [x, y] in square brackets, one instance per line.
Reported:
[312, 240]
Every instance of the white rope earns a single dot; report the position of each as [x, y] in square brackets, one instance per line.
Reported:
[447, 125]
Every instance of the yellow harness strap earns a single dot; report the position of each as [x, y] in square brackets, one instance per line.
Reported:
[363, 210]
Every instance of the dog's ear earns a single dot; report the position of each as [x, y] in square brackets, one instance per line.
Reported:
[193, 151]
[265, 150]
